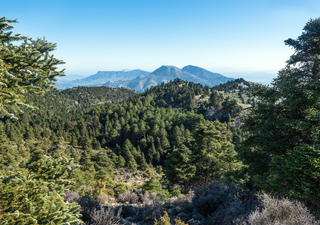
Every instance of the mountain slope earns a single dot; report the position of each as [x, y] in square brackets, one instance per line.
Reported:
[102, 77]
[167, 73]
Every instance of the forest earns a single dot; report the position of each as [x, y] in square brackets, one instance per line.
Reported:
[178, 153]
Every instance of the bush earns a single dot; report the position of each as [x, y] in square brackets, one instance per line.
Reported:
[88, 204]
[131, 211]
[280, 211]
[223, 203]
[120, 188]
[152, 211]
[154, 185]
[128, 197]
[181, 199]
[137, 196]
[105, 216]
[70, 196]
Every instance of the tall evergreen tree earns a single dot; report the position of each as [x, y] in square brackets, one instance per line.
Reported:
[179, 166]
[283, 149]
[212, 151]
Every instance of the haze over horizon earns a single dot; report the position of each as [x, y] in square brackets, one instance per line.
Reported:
[224, 37]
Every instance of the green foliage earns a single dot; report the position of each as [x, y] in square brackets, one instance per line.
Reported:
[180, 168]
[120, 188]
[154, 185]
[205, 158]
[37, 197]
[27, 67]
[282, 150]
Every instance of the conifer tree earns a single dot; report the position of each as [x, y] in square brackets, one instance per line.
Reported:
[121, 162]
[27, 67]
[74, 141]
[6, 157]
[179, 165]
[212, 151]
[131, 163]
[143, 163]
[151, 153]
[282, 152]
[36, 198]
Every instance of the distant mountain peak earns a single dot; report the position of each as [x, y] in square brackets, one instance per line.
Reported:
[139, 80]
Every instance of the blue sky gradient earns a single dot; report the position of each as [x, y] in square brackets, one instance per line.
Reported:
[221, 36]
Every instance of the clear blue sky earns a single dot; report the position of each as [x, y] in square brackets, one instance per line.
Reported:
[128, 34]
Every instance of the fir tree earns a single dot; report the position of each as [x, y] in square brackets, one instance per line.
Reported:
[179, 165]
[34, 69]
[143, 163]
[282, 152]
[36, 198]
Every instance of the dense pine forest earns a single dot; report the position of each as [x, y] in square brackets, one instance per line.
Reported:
[178, 153]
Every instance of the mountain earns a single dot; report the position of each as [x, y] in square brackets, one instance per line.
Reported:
[167, 73]
[140, 80]
[212, 78]
[102, 77]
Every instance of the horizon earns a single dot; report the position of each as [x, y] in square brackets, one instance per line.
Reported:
[222, 37]
[227, 72]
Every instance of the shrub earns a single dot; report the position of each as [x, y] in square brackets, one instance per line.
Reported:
[152, 211]
[70, 196]
[105, 216]
[280, 211]
[223, 203]
[88, 204]
[129, 197]
[131, 211]
[137, 196]
[154, 185]
[181, 199]
[120, 188]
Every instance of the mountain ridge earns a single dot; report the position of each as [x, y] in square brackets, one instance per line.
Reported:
[140, 80]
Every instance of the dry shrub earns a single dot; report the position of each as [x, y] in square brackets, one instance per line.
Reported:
[152, 211]
[137, 196]
[281, 212]
[222, 203]
[88, 204]
[105, 216]
[128, 197]
[104, 199]
[181, 200]
[71, 196]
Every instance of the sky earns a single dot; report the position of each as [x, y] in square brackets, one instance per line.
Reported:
[227, 37]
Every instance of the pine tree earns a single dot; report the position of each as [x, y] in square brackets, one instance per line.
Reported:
[84, 141]
[179, 165]
[211, 151]
[151, 153]
[281, 154]
[103, 166]
[131, 163]
[121, 162]
[74, 141]
[85, 161]
[143, 163]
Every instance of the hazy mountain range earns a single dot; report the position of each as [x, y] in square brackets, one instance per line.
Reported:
[139, 80]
